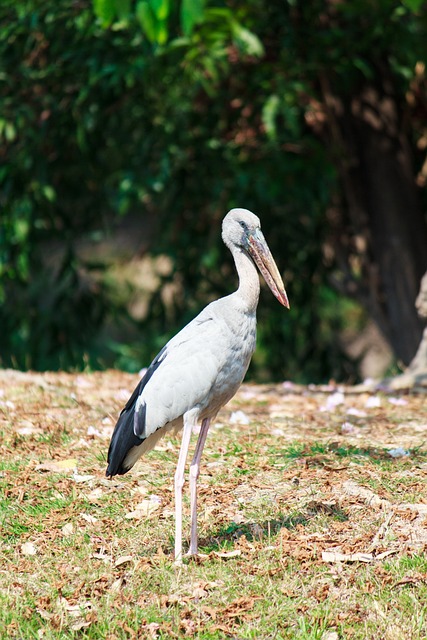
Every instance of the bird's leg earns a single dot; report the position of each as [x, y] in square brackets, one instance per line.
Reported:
[179, 483]
[194, 474]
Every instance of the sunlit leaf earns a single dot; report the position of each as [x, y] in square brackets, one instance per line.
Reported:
[160, 8]
[49, 193]
[162, 32]
[269, 114]
[105, 10]
[9, 132]
[247, 40]
[147, 20]
[22, 228]
[154, 27]
[191, 14]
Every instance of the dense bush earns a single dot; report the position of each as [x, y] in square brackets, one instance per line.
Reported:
[174, 120]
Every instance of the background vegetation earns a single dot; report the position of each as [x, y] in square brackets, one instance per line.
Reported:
[129, 129]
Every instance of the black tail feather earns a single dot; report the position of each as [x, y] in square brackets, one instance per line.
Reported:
[122, 441]
[124, 438]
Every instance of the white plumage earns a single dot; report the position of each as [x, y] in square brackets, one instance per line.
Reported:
[200, 369]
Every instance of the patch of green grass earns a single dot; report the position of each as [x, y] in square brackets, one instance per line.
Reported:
[29, 513]
[268, 508]
[413, 562]
[7, 464]
[298, 450]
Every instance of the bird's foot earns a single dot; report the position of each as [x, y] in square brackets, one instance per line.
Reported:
[196, 555]
[192, 551]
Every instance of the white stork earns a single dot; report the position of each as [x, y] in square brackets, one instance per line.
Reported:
[200, 369]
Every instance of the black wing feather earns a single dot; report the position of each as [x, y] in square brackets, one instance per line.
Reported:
[124, 438]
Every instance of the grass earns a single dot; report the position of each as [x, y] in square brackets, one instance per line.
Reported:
[75, 565]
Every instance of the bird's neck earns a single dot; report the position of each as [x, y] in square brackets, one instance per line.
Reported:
[248, 289]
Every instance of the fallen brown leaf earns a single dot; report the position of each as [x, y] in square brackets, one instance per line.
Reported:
[58, 466]
[334, 556]
[28, 549]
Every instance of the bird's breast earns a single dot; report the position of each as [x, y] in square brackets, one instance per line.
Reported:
[239, 341]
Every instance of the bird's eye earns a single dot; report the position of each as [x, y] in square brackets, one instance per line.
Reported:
[243, 225]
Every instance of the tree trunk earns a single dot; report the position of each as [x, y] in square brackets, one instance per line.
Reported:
[416, 373]
[418, 366]
[382, 240]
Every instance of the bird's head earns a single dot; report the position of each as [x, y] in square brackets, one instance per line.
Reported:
[241, 228]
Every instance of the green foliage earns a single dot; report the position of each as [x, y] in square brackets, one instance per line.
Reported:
[191, 14]
[173, 112]
[152, 15]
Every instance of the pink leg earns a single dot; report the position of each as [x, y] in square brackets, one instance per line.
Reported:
[194, 474]
[179, 483]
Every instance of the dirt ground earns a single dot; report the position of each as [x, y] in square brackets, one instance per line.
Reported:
[324, 475]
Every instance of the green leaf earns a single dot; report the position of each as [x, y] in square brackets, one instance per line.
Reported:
[49, 193]
[162, 32]
[22, 229]
[269, 114]
[363, 66]
[123, 8]
[9, 132]
[105, 10]
[413, 5]
[160, 9]
[247, 40]
[147, 20]
[154, 27]
[192, 12]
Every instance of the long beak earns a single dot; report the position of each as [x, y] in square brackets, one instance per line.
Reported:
[261, 254]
